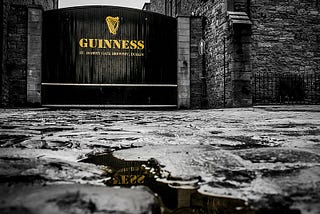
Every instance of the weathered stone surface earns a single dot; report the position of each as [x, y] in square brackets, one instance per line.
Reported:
[79, 199]
[268, 156]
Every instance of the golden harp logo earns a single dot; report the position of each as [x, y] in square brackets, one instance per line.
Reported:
[113, 24]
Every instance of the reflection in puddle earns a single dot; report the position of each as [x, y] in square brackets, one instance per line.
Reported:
[176, 196]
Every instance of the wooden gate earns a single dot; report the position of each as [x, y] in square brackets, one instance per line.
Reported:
[103, 55]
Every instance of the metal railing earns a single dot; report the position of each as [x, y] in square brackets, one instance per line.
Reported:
[286, 88]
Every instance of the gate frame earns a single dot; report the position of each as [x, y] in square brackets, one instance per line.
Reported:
[176, 85]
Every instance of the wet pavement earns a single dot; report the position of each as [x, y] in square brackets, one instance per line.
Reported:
[244, 160]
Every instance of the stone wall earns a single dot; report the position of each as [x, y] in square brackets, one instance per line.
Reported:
[215, 72]
[228, 65]
[14, 53]
[4, 83]
[16, 64]
[186, 7]
[285, 39]
[221, 78]
[286, 36]
[4, 96]
[218, 75]
[198, 96]
[157, 6]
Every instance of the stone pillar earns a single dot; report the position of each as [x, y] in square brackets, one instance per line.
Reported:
[241, 75]
[240, 58]
[183, 62]
[34, 50]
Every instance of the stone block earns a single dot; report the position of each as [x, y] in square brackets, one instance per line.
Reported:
[183, 38]
[241, 76]
[34, 55]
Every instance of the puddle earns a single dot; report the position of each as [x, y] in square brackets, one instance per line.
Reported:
[316, 140]
[166, 134]
[279, 156]
[311, 132]
[176, 195]
[107, 148]
[216, 132]
[11, 140]
[143, 122]
[294, 125]
[8, 127]
[245, 142]
[53, 129]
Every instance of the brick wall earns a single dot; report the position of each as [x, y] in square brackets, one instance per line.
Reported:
[213, 80]
[215, 73]
[1, 48]
[286, 37]
[4, 96]
[176, 7]
[17, 54]
[14, 49]
[197, 72]
[228, 65]
[217, 44]
[186, 7]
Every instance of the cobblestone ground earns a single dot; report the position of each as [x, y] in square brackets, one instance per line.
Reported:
[267, 156]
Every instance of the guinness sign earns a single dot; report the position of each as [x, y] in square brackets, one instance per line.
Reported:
[109, 44]
[109, 55]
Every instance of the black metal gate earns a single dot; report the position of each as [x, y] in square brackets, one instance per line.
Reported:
[287, 88]
[109, 56]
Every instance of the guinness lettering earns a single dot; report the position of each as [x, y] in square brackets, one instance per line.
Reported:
[112, 44]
